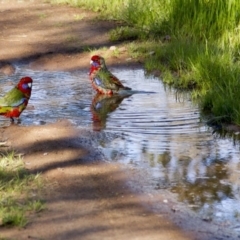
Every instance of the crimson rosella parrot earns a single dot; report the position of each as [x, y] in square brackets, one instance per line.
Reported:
[103, 81]
[16, 100]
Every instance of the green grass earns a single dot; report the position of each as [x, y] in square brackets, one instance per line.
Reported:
[124, 33]
[199, 20]
[42, 15]
[19, 191]
[79, 17]
[203, 54]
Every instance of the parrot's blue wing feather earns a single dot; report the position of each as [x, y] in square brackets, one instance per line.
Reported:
[98, 82]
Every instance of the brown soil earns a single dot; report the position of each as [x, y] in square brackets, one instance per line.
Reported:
[86, 197]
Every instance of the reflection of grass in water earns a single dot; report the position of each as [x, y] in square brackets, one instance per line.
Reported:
[19, 192]
[209, 188]
[237, 214]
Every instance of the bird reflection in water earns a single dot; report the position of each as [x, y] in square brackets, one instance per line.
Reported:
[101, 106]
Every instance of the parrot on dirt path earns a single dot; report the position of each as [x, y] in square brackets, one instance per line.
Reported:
[16, 100]
[103, 81]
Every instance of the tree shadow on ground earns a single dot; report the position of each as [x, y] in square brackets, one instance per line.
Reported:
[42, 30]
[87, 197]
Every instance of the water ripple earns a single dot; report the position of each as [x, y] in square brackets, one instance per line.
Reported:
[159, 132]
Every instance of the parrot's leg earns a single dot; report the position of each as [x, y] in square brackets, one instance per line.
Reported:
[12, 120]
[18, 120]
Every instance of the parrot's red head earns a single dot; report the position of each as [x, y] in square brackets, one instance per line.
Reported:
[95, 61]
[95, 58]
[25, 86]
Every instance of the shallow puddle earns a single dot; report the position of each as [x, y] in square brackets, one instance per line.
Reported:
[158, 131]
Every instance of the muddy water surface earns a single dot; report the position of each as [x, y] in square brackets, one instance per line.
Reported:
[155, 129]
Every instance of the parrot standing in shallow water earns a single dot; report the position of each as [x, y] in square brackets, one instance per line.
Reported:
[16, 100]
[103, 81]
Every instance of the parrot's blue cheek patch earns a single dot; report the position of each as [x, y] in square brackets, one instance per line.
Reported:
[95, 64]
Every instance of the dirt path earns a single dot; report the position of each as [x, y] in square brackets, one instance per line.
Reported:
[86, 197]
[52, 37]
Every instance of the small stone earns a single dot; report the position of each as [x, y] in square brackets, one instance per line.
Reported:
[207, 219]
[3, 143]
[42, 122]
[30, 107]
[174, 209]
[113, 48]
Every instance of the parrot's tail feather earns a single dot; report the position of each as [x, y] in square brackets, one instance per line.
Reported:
[131, 92]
